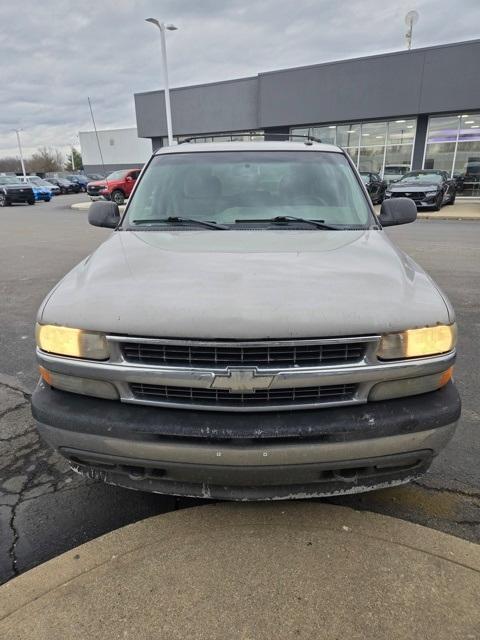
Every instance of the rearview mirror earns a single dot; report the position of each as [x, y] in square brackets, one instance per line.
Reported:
[104, 214]
[397, 211]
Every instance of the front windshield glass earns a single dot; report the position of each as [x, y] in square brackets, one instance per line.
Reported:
[230, 187]
[422, 178]
[10, 180]
[116, 175]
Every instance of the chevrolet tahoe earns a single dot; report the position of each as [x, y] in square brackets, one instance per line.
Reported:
[248, 331]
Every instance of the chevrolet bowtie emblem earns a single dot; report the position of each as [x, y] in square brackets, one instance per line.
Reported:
[241, 380]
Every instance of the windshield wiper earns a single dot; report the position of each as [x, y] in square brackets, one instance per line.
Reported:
[180, 220]
[320, 224]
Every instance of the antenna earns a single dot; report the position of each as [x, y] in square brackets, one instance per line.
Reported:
[410, 19]
[98, 140]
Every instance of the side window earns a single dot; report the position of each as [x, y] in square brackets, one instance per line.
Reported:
[135, 174]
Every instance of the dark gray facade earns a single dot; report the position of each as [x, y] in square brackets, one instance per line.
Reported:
[438, 79]
[411, 87]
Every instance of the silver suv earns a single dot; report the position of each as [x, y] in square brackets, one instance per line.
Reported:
[248, 331]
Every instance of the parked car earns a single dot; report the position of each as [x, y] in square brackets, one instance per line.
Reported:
[376, 187]
[248, 331]
[394, 172]
[117, 186]
[39, 191]
[94, 176]
[82, 181]
[428, 188]
[65, 185]
[35, 181]
[13, 190]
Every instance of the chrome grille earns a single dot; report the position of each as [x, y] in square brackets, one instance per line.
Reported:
[257, 354]
[265, 397]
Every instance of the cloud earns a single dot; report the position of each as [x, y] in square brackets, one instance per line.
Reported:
[55, 54]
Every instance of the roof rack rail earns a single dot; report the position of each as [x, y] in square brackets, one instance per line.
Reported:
[253, 134]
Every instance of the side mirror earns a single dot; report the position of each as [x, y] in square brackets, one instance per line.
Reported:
[104, 214]
[129, 179]
[397, 211]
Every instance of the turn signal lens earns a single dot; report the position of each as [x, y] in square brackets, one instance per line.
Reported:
[66, 341]
[416, 343]
[83, 386]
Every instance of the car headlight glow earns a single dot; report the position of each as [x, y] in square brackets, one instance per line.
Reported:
[415, 343]
[76, 343]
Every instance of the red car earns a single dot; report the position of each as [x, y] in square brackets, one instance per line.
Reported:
[117, 186]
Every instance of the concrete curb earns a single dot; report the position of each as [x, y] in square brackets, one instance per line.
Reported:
[323, 568]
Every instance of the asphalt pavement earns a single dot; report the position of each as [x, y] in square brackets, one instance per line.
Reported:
[46, 509]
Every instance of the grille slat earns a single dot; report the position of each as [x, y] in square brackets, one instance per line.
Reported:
[264, 397]
[263, 356]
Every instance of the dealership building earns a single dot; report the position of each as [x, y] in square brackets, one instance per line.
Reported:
[414, 109]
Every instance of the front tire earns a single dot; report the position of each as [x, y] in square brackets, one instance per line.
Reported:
[452, 199]
[438, 204]
[31, 202]
[3, 200]
[117, 197]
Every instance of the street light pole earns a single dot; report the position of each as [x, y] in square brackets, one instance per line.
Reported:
[17, 131]
[162, 27]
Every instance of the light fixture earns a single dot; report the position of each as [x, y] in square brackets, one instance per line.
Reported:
[67, 341]
[465, 115]
[332, 126]
[379, 137]
[474, 126]
[400, 121]
[469, 121]
[409, 126]
[351, 131]
[365, 134]
[416, 343]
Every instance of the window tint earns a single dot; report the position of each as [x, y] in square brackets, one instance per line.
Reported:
[226, 187]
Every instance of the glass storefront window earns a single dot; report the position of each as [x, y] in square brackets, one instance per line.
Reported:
[453, 145]
[371, 159]
[371, 145]
[348, 135]
[326, 134]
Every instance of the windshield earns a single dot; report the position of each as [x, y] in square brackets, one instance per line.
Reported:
[229, 187]
[422, 178]
[116, 175]
[10, 180]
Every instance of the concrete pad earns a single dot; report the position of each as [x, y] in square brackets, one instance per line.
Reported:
[253, 571]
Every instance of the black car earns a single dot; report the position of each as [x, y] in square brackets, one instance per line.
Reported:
[428, 188]
[13, 190]
[65, 185]
[376, 187]
[82, 181]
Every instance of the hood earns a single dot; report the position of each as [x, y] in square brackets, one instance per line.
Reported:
[246, 285]
[414, 187]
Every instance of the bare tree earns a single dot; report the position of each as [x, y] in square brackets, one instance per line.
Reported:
[10, 164]
[45, 160]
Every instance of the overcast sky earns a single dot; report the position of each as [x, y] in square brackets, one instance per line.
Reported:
[54, 54]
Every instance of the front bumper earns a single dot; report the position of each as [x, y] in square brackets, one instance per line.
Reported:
[431, 201]
[253, 456]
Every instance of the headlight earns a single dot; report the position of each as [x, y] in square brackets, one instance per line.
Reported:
[416, 343]
[76, 343]
[430, 194]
